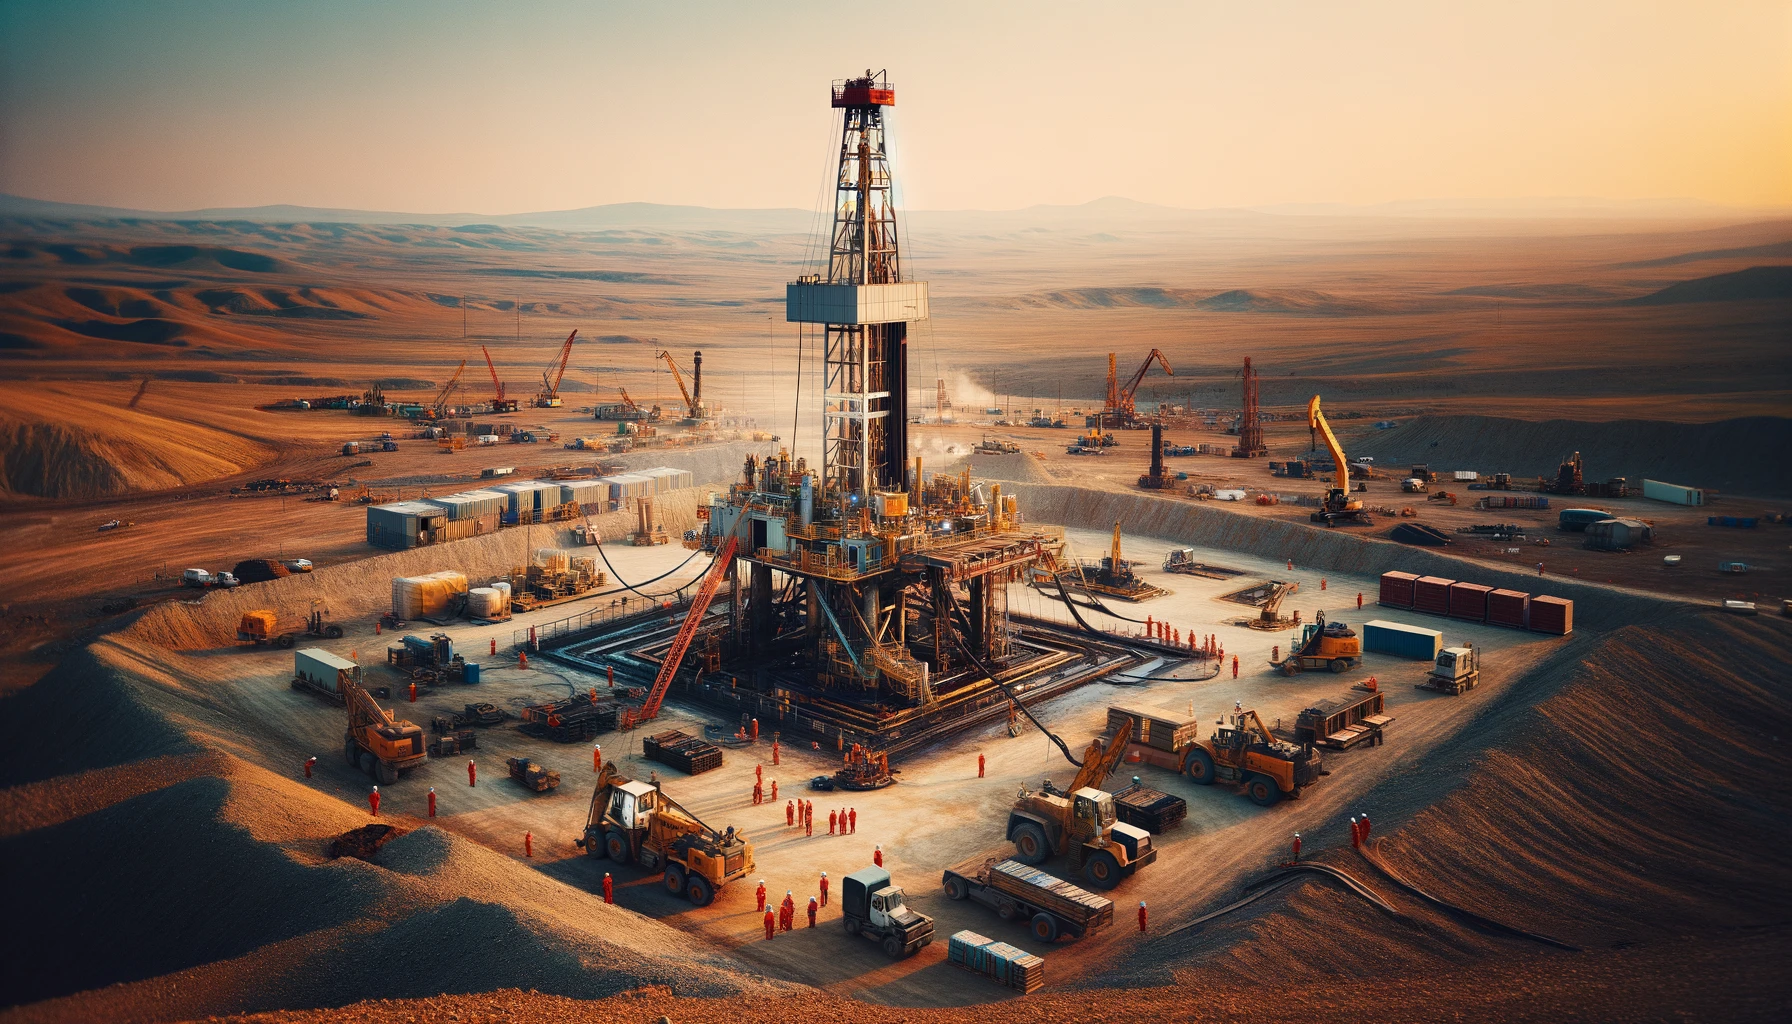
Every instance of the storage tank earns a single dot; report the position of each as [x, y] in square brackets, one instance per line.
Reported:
[1576, 520]
[484, 603]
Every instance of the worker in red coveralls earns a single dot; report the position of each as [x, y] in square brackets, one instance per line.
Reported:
[787, 912]
[824, 888]
[770, 925]
[1359, 600]
[789, 813]
[833, 816]
[758, 773]
[528, 844]
[597, 757]
[1235, 666]
[1141, 915]
[1365, 828]
[413, 691]
[432, 801]
[979, 766]
[373, 801]
[1297, 847]
[755, 730]
[774, 791]
[759, 894]
[308, 763]
[811, 911]
[610, 889]
[472, 774]
[758, 794]
[852, 816]
[774, 751]
[1356, 833]
[809, 820]
[877, 856]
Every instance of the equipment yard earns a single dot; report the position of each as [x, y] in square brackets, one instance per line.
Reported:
[645, 651]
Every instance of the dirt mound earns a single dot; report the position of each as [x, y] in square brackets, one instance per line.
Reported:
[1737, 286]
[1019, 468]
[72, 447]
[1741, 456]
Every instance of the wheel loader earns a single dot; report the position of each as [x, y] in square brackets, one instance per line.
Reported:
[635, 823]
[1243, 751]
[378, 742]
[1080, 823]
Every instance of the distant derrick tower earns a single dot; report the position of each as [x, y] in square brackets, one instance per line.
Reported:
[865, 305]
[1250, 423]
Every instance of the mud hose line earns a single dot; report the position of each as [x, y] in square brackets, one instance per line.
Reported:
[628, 586]
[1391, 875]
[1170, 678]
[1284, 877]
[1090, 602]
[978, 664]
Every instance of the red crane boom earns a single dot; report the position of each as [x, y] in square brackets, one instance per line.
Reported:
[553, 380]
[718, 569]
[497, 385]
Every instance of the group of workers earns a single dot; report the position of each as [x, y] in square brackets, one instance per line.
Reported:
[799, 813]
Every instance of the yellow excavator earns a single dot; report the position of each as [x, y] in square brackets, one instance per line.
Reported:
[1080, 823]
[1242, 750]
[636, 823]
[378, 742]
[1338, 505]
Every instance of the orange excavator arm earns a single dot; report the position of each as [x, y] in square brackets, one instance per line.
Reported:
[1132, 386]
[1100, 761]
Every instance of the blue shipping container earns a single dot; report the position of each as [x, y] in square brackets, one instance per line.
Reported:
[1402, 641]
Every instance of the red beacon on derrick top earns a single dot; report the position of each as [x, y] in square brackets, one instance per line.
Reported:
[873, 90]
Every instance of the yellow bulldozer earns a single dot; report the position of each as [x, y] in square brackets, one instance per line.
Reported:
[1243, 751]
[1080, 823]
[378, 742]
[1332, 646]
[635, 823]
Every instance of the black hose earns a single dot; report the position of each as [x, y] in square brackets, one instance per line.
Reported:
[1469, 915]
[628, 586]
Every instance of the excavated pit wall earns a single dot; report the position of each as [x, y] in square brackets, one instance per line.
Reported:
[364, 587]
[1341, 549]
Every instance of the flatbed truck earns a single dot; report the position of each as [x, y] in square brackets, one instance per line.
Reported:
[1051, 906]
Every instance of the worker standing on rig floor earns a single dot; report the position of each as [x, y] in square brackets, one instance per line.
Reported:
[811, 911]
[308, 763]
[472, 773]
[824, 888]
[373, 801]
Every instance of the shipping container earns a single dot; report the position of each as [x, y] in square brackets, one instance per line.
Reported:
[404, 524]
[584, 493]
[1674, 494]
[1396, 589]
[1552, 615]
[1401, 640]
[1468, 601]
[624, 486]
[1576, 520]
[1508, 608]
[1431, 594]
[1463, 476]
[322, 671]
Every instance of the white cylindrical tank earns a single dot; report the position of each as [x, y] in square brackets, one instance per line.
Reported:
[484, 603]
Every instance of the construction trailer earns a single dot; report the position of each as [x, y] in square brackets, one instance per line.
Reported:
[1673, 494]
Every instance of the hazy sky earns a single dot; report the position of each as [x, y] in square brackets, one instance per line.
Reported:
[505, 108]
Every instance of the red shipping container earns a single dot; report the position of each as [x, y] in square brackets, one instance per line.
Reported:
[1396, 589]
[1507, 608]
[1468, 601]
[1552, 615]
[1431, 594]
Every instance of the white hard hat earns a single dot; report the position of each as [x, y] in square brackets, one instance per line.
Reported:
[376, 789]
[432, 789]
[824, 874]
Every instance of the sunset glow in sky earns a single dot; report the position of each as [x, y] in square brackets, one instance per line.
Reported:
[440, 107]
